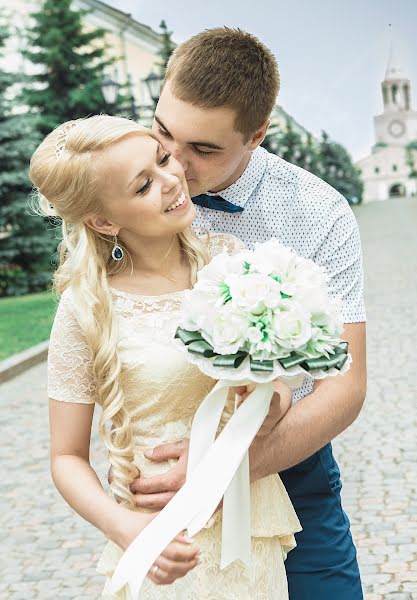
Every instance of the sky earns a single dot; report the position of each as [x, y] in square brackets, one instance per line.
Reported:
[332, 54]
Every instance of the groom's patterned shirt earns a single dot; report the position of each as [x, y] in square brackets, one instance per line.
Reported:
[303, 212]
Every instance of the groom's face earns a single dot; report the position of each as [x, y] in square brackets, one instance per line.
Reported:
[203, 140]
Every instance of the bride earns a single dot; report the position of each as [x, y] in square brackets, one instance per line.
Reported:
[127, 255]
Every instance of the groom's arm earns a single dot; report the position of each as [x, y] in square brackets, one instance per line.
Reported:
[318, 418]
[308, 425]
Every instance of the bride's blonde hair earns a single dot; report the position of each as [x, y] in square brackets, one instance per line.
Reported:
[64, 171]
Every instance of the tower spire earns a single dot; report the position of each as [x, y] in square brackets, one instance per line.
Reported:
[395, 69]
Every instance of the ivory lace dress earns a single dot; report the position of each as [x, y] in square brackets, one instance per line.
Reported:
[162, 393]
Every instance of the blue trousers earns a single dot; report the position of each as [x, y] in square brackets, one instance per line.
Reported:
[324, 565]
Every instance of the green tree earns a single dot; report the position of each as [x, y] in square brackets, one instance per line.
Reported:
[337, 168]
[168, 46]
[26, 242]
[289, 145]
[71, 65]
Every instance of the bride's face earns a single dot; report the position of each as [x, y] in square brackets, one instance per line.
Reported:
[143, 190]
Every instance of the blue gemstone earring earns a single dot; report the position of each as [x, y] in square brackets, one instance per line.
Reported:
[117, 252]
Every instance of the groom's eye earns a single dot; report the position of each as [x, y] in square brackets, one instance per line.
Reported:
[201, 152]
[163, 132]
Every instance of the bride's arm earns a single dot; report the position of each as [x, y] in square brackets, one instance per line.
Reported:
[78, 483]
[75, 479]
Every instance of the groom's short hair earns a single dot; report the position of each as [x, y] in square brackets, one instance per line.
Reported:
[230, 68]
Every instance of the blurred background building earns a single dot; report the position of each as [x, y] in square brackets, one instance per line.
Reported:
[390, 170]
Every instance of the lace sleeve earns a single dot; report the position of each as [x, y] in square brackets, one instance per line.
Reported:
[69, 360]
[224, 241]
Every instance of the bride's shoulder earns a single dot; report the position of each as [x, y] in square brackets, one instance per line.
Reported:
[218, 242]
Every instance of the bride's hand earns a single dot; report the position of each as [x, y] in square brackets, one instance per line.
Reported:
[178, 558]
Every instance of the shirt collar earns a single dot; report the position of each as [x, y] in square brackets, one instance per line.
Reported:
[241, 190]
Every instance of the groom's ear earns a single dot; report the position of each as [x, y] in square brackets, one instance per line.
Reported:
[258, 136]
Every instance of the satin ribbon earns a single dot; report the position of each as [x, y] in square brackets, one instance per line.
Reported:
[216, 468]
[197, 345]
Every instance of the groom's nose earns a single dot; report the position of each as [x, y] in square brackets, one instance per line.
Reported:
[180, 155]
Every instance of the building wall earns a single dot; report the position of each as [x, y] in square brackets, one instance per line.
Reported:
[379, 173]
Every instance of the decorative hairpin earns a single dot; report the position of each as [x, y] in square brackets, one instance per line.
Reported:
[61, 139]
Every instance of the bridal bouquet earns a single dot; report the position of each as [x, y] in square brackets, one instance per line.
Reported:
[256, 316]
[263, 315]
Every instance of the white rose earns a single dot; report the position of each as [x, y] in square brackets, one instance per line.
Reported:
[272, 257]
[306, 282]
[291, 327]
[198, 310]
[254, 335]
[329, 320]
[254, 292]
[212, 275]
[229, 329]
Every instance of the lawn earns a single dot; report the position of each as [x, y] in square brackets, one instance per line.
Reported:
[25, 321]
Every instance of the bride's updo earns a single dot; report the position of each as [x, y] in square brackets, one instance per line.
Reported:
[64, 171]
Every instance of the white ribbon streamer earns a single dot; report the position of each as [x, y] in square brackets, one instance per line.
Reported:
[215, 465]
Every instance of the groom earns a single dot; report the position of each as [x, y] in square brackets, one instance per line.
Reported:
[220, 88]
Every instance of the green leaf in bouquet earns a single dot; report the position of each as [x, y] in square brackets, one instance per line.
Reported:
[246, 266]
[225, 292]
[277, 278]
[261, 365]
[202, 348]
[230, 360]
[291, 361]
[187, 336]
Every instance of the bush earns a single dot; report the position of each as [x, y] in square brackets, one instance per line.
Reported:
[13, 281]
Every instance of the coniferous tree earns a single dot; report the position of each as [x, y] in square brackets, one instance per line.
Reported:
[71, 61]
[337, 169]
[26, 241]
[167, 48]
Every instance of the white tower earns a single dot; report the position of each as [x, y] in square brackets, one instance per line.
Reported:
[398, 123]
[390, 171]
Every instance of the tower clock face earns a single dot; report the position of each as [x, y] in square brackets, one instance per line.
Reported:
[396, 128]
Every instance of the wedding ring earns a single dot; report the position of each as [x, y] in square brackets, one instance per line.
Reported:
[155, 570]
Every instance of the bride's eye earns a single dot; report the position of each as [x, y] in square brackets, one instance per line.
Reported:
[145, 187]
[165, 159]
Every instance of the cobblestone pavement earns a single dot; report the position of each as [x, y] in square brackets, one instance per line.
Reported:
[49, 552]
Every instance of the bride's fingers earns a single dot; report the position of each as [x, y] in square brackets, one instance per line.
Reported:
[165, 571]
[176, 568]
[159, 576]
[180, 551]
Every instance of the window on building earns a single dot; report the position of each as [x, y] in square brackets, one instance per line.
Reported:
[394, 167]
[376, 170]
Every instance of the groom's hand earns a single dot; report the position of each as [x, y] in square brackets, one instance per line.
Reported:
[280, 403]
[155, 492]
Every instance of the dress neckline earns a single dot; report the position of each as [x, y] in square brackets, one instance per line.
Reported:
[132, 295]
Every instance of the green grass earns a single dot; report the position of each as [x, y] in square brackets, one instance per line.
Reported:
[25, 321]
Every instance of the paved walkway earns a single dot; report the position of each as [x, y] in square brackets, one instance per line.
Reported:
[49, 552]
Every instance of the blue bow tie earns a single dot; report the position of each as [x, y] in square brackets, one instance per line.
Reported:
[216, 203]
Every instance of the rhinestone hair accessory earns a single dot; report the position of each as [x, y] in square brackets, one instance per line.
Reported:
[61, 139]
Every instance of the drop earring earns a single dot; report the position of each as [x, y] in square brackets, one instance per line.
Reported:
[117, 252]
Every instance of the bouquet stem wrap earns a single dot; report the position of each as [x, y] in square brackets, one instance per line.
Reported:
[217, 467]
